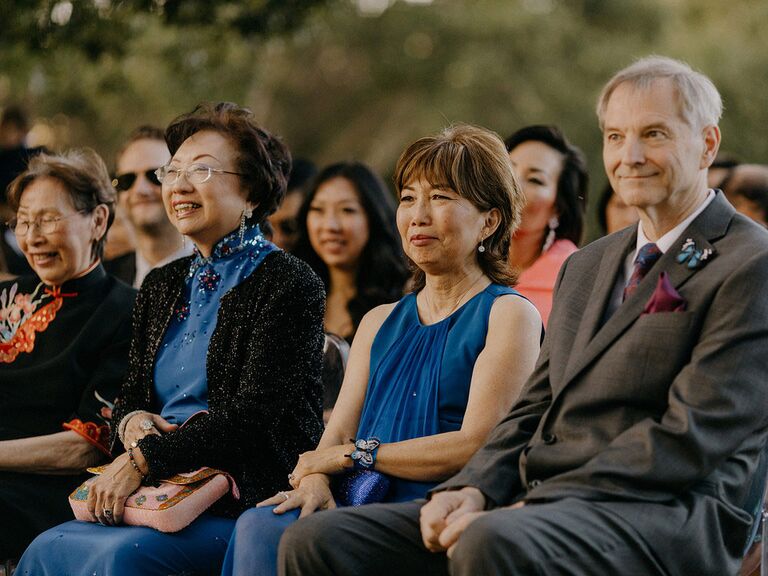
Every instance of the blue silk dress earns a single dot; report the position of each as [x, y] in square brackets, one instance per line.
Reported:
[181, 390]
[418, 386]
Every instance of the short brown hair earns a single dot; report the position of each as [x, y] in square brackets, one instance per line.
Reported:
[474, 163]
[263, 160]
[143, 132]
[84, 176]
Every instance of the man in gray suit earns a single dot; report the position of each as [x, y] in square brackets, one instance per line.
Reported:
[633, 445]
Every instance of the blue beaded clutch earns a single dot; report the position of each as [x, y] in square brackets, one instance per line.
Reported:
[360, 487]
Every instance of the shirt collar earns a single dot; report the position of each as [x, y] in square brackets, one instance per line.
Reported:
[667, 240]
[94, 276]
[143, 266]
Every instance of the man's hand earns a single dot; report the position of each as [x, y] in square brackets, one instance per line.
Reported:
[441, 517]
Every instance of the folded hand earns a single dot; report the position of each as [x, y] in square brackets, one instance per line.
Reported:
[313, 494]
[107, 494]
[447, 514]
[136, 428]
[331, 460]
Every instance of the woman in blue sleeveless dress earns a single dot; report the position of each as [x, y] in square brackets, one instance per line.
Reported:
[227, 342]
[428, 376]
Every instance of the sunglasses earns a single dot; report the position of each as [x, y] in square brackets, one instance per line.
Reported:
[123, 182]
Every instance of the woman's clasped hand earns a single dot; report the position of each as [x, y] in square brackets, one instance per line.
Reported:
[140, 425]
[108, 492]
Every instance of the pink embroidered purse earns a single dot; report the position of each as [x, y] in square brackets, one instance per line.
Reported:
[168, 507]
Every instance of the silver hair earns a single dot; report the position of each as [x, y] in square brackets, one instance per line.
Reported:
[700, 102]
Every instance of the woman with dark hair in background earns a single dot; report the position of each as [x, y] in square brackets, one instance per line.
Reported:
[347, 234]
[747, 190]
[227, 341]
[64, 336]
[553, 175]
[612, 214]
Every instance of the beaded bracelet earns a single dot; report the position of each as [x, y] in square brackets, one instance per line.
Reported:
[132, 460]
[364, 454]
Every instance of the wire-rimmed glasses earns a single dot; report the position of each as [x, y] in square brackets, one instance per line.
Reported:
[194, 173]
[46, 224]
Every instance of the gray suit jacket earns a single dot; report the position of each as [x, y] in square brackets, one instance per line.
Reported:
[665, 408]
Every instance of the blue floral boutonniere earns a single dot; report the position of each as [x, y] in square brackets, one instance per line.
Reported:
[693, 257]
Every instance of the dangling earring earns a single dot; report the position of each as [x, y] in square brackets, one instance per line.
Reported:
[247, 212]
[552, 224]
[183, 242]
[481, 248]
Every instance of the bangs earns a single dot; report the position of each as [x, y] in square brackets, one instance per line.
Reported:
[435, 160]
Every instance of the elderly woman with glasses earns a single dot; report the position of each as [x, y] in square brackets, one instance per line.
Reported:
[227, 342]
[64, 336]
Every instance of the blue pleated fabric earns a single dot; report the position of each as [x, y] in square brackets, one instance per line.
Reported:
[181, 384]
[432, 367]
[418, 386]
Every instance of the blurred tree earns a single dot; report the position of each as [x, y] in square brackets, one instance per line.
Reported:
[93, 69]
[361, 78]
[100, 26]
[351, 86]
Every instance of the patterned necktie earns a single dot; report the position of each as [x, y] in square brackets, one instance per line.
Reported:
[645, 260]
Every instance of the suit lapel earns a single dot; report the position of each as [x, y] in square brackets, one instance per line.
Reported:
[610, 267]
[707, 227]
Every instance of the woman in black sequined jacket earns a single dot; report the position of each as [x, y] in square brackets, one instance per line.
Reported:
[263, 377]
[225, 361]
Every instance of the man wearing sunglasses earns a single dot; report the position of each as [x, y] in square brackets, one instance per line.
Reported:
[157, 242]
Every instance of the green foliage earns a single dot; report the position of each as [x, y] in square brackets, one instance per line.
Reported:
[96, 27]
[340, 84]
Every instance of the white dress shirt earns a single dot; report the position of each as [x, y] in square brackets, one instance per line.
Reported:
[664, 243]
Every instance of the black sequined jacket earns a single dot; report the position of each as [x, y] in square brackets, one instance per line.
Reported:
[264, 378]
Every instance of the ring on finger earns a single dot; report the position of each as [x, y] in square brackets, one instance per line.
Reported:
[107, 513]
[284, 495]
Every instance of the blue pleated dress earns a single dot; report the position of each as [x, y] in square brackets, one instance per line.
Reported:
[82, 548]
[418, 386]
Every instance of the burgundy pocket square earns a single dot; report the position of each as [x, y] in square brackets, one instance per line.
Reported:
[665, 298]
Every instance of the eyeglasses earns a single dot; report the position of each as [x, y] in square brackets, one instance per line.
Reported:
[47, 225]
[123, 182]
[194, 173]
